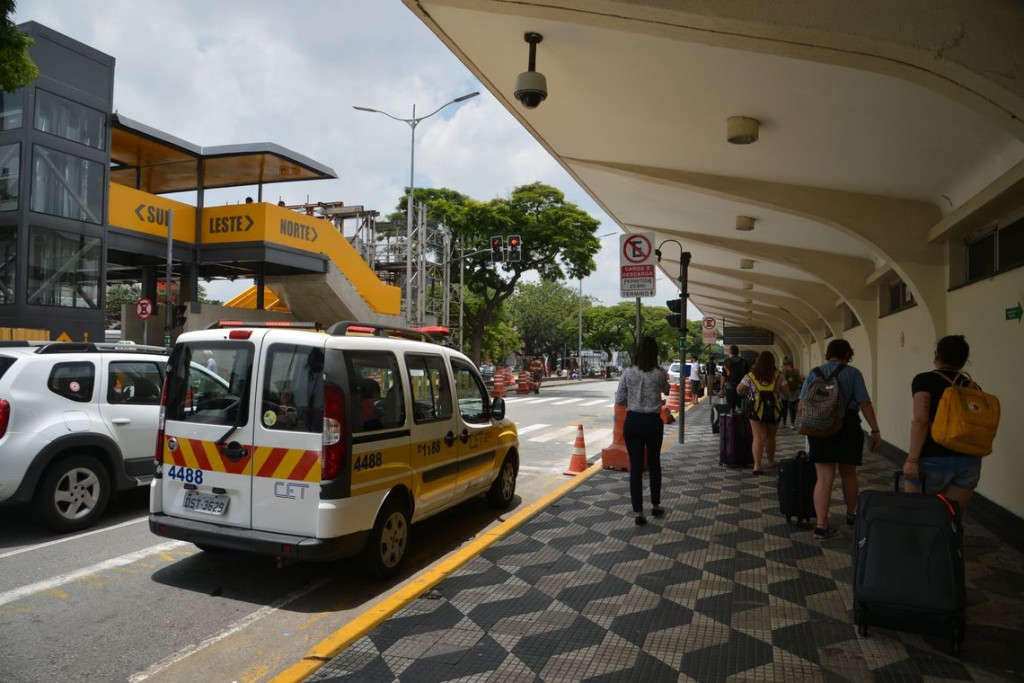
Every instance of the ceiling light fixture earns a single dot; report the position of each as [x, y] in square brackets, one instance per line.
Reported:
[742, 130]
[746, 264]
[745, 222]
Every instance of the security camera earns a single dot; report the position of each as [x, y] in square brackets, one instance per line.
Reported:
[531, 89]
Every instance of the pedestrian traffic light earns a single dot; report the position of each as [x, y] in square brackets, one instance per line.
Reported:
[497, 249]
[515, 248]
[676, 319]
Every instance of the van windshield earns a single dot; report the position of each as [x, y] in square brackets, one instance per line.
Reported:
[208, 382]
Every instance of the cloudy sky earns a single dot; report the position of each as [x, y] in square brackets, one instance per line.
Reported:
[217, 72]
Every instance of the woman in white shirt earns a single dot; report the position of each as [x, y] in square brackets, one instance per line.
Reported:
[640, 390]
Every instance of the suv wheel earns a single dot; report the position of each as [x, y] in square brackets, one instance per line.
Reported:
[503, 490]
[389, 540]
[72, 494]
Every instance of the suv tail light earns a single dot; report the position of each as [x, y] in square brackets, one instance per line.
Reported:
[332, 455]
[5, 416]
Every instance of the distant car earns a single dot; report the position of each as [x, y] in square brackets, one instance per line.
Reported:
[487, 371]
[673, 372]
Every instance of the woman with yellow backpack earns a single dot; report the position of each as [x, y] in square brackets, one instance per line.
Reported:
[765, 390]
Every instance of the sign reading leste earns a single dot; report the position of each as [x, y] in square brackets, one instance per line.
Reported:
[636, 265]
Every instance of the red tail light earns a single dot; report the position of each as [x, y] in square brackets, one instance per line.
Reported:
[158, 454]
[5, 416]
[332, 455]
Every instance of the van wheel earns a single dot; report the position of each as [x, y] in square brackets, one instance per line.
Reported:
[503, 490]
[72, 494]
[388, 540]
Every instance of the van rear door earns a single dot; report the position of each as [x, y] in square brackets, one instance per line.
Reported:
[206, 450]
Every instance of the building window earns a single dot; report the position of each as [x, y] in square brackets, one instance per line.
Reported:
[11, 105]
[981, 257]
[63, 269]
[896, 296]
[10, 172]
[1011, 246]
[850, 319]
[70, 120]
[8, 262]
[67, 186]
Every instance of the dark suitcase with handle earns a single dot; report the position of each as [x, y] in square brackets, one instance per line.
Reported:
[797, 478]
[735, 446]
[908, 564]
[717, 410]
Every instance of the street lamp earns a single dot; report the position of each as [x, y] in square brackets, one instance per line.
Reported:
[413, 122]
[684, 295]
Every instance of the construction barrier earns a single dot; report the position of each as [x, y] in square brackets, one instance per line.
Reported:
[499, 384]
[578, 460]
[615, 457]
[523, 386]
[673, 397]
[688, 398]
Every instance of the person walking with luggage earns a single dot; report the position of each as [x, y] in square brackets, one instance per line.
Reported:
[640, 390]
[764, 389]
[842, 451]
[792, 378]
[734, 369]
[940, 469]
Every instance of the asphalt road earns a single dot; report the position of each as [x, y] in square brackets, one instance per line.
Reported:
[116, 603]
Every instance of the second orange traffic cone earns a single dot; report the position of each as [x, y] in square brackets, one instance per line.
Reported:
[578, 461]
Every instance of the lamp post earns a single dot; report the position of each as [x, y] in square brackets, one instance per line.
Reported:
[684, 266]
[413, 122]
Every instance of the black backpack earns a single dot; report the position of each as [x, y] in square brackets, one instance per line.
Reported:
[737, 367]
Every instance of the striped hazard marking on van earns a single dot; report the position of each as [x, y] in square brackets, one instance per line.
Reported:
[287, 463]
[204, 455]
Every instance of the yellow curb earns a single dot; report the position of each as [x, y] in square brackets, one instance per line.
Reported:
[329, 647]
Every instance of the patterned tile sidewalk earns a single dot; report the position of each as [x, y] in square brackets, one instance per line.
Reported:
[720, 589]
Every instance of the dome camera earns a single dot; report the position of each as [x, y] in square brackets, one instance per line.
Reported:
[531, 89]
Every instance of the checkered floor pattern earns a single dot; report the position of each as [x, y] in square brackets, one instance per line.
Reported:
[720, 589]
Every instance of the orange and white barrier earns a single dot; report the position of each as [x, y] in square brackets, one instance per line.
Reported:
[616, 457]
[673, 397]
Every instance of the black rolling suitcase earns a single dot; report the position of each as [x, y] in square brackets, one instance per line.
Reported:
[718, 408]
[735, 446]
[797, 478]
[908, 564]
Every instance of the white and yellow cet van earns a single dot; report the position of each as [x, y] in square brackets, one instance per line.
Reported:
[320, 446]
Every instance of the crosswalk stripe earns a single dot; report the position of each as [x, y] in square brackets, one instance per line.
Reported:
[596, 402]
[567, 401]
[554, 434]
[531, 428]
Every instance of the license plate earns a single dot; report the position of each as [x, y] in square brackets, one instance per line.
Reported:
[210, 503]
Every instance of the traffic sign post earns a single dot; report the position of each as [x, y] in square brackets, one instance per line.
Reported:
[144, 310]
[636, 265]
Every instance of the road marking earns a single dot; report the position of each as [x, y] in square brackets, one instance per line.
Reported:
[540, 400]
[62, 579]
[65, 539]
[597, 435]
[232, 629]
[597, 402]
[531, 428]
[555, 434]
[568, 401]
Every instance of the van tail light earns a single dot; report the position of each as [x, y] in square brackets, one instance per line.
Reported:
[158, 454]
[332, 455]
[5, 416]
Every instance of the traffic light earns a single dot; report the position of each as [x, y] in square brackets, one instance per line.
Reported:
[515, 248]
[676, 319]
[497, 249]
[179, 315]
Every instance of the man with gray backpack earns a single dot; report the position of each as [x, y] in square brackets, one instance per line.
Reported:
[831, 400]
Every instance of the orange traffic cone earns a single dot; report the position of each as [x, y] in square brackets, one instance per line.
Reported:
[616, 457]
[688, 398]
[673, 397]
[499, 385]
[578, 461]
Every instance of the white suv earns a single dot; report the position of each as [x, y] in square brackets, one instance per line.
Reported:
[77, 423]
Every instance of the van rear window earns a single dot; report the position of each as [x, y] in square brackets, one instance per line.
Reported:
[209, 382]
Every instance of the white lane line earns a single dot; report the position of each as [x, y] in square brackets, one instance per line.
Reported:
[595, 436]
[559, 433]
[540, 400]
[62, 579]
[567, 401]
[233, 628]
[65, 539]
[597, 402]
[531, 428]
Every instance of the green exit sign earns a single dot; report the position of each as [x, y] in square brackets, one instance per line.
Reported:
[1015, 312]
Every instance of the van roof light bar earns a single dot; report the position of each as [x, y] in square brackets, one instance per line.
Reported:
[345, 327]
[284, 324]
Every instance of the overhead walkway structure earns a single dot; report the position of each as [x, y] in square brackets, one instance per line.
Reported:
[302, 264]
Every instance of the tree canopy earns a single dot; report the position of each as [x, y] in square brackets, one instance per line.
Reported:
[16, 67]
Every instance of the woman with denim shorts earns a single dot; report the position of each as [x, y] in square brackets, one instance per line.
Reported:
[940, 469]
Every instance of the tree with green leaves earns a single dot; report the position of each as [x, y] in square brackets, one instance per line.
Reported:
[16, 66]
[558, 243]
[546, 314]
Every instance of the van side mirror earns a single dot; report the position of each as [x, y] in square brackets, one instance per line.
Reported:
[498, 408]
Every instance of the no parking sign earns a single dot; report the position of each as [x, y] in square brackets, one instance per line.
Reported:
[709, 326]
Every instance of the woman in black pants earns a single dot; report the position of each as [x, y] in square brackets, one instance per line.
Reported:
[640, 390]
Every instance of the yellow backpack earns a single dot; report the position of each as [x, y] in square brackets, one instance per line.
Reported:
[966, 419]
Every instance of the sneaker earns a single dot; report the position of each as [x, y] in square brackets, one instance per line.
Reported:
[851, 518]
[825, 533]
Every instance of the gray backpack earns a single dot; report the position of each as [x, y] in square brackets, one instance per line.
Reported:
[823, 409]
